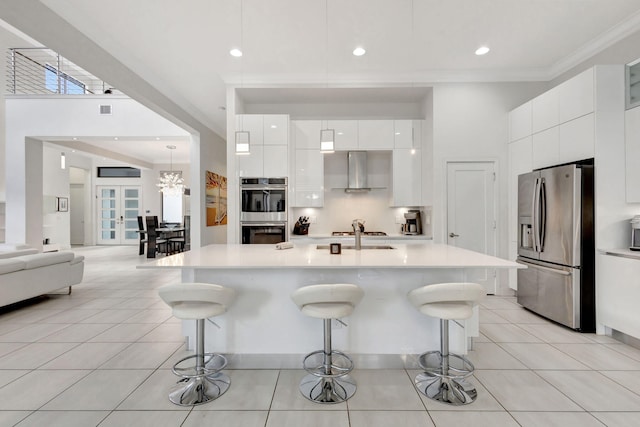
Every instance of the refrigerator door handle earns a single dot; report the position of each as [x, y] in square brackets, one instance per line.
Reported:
[540, 267]
[543, 213]
[534, 216]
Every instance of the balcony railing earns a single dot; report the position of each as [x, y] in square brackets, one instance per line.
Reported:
[41, 71]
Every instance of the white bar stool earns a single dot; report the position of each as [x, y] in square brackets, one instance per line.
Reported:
[203, 381]
[444, 377]
[328, 380]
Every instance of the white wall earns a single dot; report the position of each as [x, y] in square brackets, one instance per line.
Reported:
[34, 119]
[470, 123]
[56, 225]
[7, 40]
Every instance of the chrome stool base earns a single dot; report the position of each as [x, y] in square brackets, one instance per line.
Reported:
[327, 390]
[452, 391]
[199, 384]
[200, 389]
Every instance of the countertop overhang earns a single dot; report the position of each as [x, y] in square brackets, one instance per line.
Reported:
[420, 256]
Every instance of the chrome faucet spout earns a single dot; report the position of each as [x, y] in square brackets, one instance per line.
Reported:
[358, 234]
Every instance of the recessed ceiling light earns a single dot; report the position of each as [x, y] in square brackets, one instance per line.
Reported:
[482, 50]
[75, 139]
[235, 52]
[340, 133]
[397, 133]
[115, 139]
[274, 127]
[157, 139]
[359, 51]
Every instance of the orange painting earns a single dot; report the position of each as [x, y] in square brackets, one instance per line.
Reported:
[216, 199]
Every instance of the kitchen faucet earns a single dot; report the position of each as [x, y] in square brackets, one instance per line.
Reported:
[357, 233]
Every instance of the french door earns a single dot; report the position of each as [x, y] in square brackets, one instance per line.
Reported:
[118, 210]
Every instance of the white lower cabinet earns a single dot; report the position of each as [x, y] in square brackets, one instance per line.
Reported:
[309, 179]
[407, 177]
[618, 293]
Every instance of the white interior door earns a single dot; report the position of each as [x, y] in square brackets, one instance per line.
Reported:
[118, 210]
[471, 213]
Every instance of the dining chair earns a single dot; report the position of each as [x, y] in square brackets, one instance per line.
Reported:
[153, 242]
[143, 235]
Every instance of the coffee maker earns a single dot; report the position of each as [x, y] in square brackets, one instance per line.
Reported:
[413, 222]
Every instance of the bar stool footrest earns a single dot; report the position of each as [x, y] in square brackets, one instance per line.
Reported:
[341, 364]
[213, 363]
[459, 366]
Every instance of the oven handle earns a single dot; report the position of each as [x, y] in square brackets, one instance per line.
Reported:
[263, 224]
[263, 187]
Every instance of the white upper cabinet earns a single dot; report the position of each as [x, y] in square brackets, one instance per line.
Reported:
[632, 154]
[276, 129]
[254, 124]
[308, 179]
[575, 96]
[544, 111]
[307, 134]
[276, 161]
[346, 134]
[577, 139]
[546, 148]
[251, 165]
[375, 134]
[403, 134]
[407, 177]
[520, 122]
[268, 145]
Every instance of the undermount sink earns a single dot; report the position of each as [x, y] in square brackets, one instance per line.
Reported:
[362, 247]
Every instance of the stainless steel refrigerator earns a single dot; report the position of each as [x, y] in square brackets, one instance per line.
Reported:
[556, 243]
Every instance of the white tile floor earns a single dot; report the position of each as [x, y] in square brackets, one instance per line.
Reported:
[102, 356]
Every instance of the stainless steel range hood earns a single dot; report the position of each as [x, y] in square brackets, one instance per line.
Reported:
[357, 172]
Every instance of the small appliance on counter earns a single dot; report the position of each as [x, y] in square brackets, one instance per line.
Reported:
[301, 226]
[413, 222]
[635, 233]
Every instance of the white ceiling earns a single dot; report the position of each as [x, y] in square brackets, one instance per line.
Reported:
[182, 48]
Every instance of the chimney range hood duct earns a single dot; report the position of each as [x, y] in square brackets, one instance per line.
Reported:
[357, 171]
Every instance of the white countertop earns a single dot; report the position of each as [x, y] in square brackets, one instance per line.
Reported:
[625, 253]
[237, 256]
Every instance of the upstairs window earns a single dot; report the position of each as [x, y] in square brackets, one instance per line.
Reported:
[68, 85]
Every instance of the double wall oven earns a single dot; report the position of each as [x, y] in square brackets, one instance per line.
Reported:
[263, 210]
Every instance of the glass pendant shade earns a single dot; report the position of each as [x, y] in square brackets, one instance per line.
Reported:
[327, 140]
[242, 142]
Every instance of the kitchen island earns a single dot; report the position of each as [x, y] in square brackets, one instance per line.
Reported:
[264, 329]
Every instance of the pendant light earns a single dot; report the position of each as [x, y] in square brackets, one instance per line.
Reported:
[327, 136]
[171, 183]
[242, 137]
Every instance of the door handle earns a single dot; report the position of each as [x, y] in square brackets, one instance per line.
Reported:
[452, 234]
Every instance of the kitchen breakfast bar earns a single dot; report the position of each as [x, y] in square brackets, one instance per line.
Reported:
[263, 328]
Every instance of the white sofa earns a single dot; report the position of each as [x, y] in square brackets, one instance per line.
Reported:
[25, 273]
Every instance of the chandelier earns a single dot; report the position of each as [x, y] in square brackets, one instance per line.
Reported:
[171, 183]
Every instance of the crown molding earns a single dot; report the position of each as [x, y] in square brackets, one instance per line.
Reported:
[595, 46]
